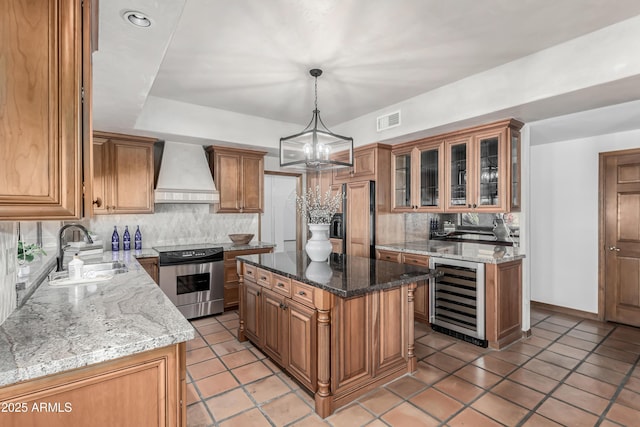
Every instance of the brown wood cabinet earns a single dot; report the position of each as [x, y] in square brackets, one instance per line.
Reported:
[239, 177]
[421, 294]
[146, 389]
[46, 116]
[471, 170]
[123, 174]
[231, 280]
[336, 246]
[503, 290]
[337, 348]
[357, 219]
[364, 166]
[323, 179]
[150, 265]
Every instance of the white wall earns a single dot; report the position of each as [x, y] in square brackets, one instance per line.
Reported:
[563, 218]
[278, 222]
[8, 265]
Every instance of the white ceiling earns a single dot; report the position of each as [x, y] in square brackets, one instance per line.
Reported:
[253, 56]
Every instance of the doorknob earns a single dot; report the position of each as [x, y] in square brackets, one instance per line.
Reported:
[614, 248]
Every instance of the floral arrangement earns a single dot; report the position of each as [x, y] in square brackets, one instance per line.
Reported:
[319, 209]
[28, 252]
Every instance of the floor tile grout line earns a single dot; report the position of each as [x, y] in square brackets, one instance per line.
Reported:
[548, 395]
[621, 387]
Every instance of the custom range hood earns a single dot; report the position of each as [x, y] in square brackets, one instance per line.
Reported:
[184, 175]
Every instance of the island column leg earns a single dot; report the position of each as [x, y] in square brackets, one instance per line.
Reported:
[323, 395]
[412, 362]
[241, 307]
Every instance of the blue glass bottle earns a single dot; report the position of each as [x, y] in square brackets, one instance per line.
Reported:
[115, 240]
[126, 239]
[138, 239]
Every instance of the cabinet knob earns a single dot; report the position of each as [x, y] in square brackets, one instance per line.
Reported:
[97, 202]
[280, 285]
[614, 248]
[302, 293]
[475, 206]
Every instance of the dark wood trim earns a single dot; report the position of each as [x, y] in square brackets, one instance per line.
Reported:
[564, 310]
[602, 158]
[283, 173]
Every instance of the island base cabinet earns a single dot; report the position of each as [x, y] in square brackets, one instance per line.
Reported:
[338, 348]
[503, 288]
[148, 389]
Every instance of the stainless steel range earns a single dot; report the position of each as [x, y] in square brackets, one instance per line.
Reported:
[192, 276]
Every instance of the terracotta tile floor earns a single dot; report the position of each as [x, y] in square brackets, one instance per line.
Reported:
[571, 372]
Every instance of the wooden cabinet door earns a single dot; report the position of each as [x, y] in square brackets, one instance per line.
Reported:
[101, 177]
[252, 184]
[490, 177]
[401, 181]
[228, 179]
[132, 176]
[392, 346]
[503, 302]
[429, 177]
[144, 390]
[421, 302]
[364, 164]
[358, 219]
[351, 329]
[302, 352]
[275, 327]
[41, 119]
[515, 179]
[253, 311]
[459, 176]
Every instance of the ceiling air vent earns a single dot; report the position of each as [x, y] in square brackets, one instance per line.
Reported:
[388, 121]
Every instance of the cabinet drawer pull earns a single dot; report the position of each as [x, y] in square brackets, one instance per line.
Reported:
[97, 202]
[263, 277]
[302, 293]
[280, 285]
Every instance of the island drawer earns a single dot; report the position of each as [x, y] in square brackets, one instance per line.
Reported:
[263, 277]
[281, 285]
[302, 293]
[250, 272]
[414, 259]
[389, 255]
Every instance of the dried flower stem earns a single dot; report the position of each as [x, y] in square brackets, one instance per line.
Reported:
[319, 209]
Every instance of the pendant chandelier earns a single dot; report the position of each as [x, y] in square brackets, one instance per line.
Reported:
[316, 147]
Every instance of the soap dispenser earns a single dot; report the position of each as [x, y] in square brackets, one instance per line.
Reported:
[75, 268]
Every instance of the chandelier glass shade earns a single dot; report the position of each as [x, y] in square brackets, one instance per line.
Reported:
[316, 147]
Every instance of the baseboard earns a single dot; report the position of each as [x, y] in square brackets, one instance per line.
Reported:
[564, 310]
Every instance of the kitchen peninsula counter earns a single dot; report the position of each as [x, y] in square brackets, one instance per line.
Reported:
[475, 252]
[340, 327]
[99, 337]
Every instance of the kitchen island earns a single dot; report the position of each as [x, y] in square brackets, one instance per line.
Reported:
[340, 328]
[102, 354]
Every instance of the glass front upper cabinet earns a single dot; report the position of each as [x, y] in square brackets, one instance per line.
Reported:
[515, 155]
[417, 178]
[490, 164]
[459, 177]
[402, 181]
[430, 159]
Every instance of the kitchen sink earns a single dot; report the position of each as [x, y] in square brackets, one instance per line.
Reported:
[91, 273]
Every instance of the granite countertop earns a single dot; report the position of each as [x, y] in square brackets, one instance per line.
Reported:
[63, 328]
[251, 245]
[475, 252]
[342, 275]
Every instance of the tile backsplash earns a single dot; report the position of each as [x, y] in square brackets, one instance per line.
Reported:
[8, 265]
[173, 224]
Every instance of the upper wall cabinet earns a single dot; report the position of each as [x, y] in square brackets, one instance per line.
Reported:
[364, 166]
[473, 170]
[239, 177]
[123, 174]
[44, 124]
[417, 177]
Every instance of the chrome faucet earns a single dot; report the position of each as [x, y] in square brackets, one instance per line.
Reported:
[61, 233]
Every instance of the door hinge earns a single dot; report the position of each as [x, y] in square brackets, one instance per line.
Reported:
[82, 94]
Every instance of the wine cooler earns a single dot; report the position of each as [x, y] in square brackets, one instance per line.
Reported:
[457, 299]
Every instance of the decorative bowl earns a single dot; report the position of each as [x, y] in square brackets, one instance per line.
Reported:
[240, 239]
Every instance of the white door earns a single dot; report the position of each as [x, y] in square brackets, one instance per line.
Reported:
[278, 222]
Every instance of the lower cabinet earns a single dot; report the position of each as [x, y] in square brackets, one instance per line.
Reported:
[337, 348]
[421, 295]
[150, 265]
[231, 275]
[146, 389]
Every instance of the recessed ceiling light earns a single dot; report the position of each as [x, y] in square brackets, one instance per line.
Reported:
[138, 19]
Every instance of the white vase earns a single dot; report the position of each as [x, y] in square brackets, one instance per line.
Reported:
[318, 246]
